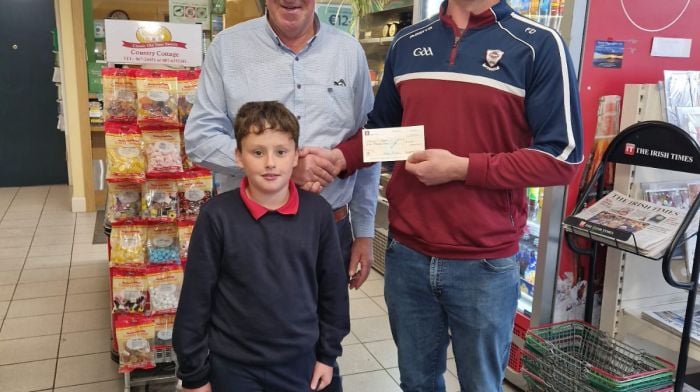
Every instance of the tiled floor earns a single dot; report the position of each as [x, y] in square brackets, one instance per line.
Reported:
[54, 315]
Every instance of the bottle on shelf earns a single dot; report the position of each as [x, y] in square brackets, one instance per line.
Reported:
[531, 268]
[533, 204]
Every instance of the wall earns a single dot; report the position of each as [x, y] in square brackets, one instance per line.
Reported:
[156, 10]
[72, 51]
[606, 21]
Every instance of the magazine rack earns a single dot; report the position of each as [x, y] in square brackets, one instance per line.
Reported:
[658, 145]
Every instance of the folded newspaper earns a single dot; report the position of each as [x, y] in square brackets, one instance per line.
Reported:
[630, 224]
[672, 320]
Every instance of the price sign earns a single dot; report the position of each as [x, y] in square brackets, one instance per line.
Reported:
[339, 17]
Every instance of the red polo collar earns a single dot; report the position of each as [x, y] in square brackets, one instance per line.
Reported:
[257, 211]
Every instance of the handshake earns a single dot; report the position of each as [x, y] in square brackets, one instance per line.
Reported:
[317, 167]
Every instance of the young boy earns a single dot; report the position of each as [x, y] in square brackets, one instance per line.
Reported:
[264, 304]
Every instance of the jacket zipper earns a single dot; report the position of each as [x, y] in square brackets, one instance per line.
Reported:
[510, 209]
[453, 52]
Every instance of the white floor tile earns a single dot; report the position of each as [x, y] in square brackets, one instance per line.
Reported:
[13, 253]
[11, 264]
[89, 271]
[350, 339]
[106, 386]
[15, 242]
[53, 239]
[355, 294]
[380, 302]
[36, 307]
[47, 262]
[43, 275]
[41, 289]
[27, 327]
[88, 285]
[28, 349]
[370, 381]
[6, 292]
[356, 359]
[9, 277]
[50, 250]
[373, 288]
[364, 307]
[3, 310]
[385, 352]
[371, 329]
[374, 275]
[85, 369]
[18, 223]
[14, 231]
[29, 376]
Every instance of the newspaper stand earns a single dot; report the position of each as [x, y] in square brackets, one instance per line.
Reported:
[657, 145]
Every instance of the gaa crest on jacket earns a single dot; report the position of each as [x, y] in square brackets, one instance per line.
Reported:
[493, 56]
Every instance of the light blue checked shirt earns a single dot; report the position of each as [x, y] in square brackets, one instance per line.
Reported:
[326, 85]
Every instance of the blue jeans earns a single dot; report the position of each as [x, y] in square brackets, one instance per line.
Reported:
[432, 299]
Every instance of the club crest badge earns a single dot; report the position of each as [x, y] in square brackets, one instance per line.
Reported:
[493, 56]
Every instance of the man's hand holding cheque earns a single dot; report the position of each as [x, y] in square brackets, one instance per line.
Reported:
[317, 166]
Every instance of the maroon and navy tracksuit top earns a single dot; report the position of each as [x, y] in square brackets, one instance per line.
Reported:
[502, 93]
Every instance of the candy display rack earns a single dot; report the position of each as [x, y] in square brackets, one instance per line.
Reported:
[150, 210]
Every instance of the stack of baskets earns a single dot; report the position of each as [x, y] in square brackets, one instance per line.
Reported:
[575, 357]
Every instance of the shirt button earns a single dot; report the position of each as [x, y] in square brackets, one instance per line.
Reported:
[298, 85]
[298, 117]
[296, 58]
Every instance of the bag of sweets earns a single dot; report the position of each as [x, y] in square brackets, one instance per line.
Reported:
[128, 243]
[162, 242]
[163, 149]
[186, 163]
[123, 199]
[119, 92]
[157, 97]
[129, 290]
[194, 190]
[184, 232]
[159, 199]
[164, 286]
[124, 150]
[164, 334]
[136, 342]
[186, 92]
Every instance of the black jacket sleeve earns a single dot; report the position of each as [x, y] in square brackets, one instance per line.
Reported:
[194, 310]
[333, 304]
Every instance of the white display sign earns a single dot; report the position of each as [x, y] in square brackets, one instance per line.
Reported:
[190, 11]
[671, 47]
[139, 42]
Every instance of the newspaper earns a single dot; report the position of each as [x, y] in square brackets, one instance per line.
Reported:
[672, 321]
[629, 224]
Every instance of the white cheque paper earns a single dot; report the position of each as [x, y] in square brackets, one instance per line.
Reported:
[391, 144]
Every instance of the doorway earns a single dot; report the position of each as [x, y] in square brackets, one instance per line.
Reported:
[32, 149]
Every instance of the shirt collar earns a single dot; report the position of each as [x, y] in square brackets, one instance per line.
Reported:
[291, 207]
[492, 15]
[278, 42]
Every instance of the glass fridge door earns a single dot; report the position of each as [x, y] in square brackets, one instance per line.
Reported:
[527, 254]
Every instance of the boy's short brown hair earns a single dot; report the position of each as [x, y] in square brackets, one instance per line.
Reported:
[256, 117]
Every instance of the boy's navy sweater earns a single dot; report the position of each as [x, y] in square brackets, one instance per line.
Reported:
[261, 292]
